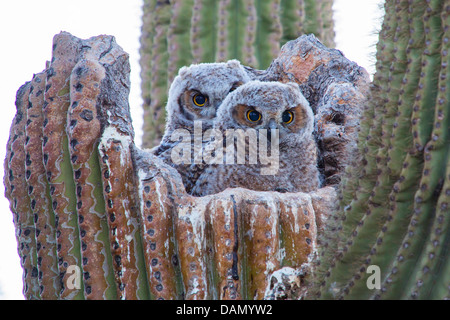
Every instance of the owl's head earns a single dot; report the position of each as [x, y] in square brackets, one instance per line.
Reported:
[267, 105]
[198, 90]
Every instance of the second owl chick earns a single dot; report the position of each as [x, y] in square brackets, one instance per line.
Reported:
[274, 112]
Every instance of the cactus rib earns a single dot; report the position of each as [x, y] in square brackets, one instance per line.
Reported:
[57, 159]
[84, 127]
[121, 209]
[158, 238]
[38, 190]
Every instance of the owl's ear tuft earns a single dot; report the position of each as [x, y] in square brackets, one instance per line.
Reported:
[233, 63]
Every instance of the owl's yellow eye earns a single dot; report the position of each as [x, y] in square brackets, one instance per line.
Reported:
[199, 100]
[287, 117]
[253, 116]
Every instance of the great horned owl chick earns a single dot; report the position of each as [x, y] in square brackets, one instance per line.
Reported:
[282, 120]
[194, 96]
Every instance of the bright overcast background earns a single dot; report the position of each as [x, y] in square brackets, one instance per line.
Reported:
[27, 28]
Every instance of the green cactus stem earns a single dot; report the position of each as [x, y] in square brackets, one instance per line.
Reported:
[434, 262]
[362, 237]
[423, 110]
[292, 19]
[357, 186]
[403, 230]
[178, 37]
[268, 33]
[248, 50]
[155, 69]
[435, 250]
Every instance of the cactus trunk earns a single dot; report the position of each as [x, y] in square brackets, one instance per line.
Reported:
[84, 197]
[393, 211]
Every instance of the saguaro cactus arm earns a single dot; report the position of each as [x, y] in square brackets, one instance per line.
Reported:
[62, 166]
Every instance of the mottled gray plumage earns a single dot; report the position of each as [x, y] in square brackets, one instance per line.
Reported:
[280, 106]
[194, 95]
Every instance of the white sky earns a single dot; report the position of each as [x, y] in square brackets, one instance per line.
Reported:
[27, 28]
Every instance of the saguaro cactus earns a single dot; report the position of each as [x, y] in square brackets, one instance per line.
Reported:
[177, 33]
[223, 246]
[123, 218]
[394, 211]
[58, 122]
[84, 197]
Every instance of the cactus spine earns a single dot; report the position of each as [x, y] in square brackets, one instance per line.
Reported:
[396, 217]
[177, 33]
